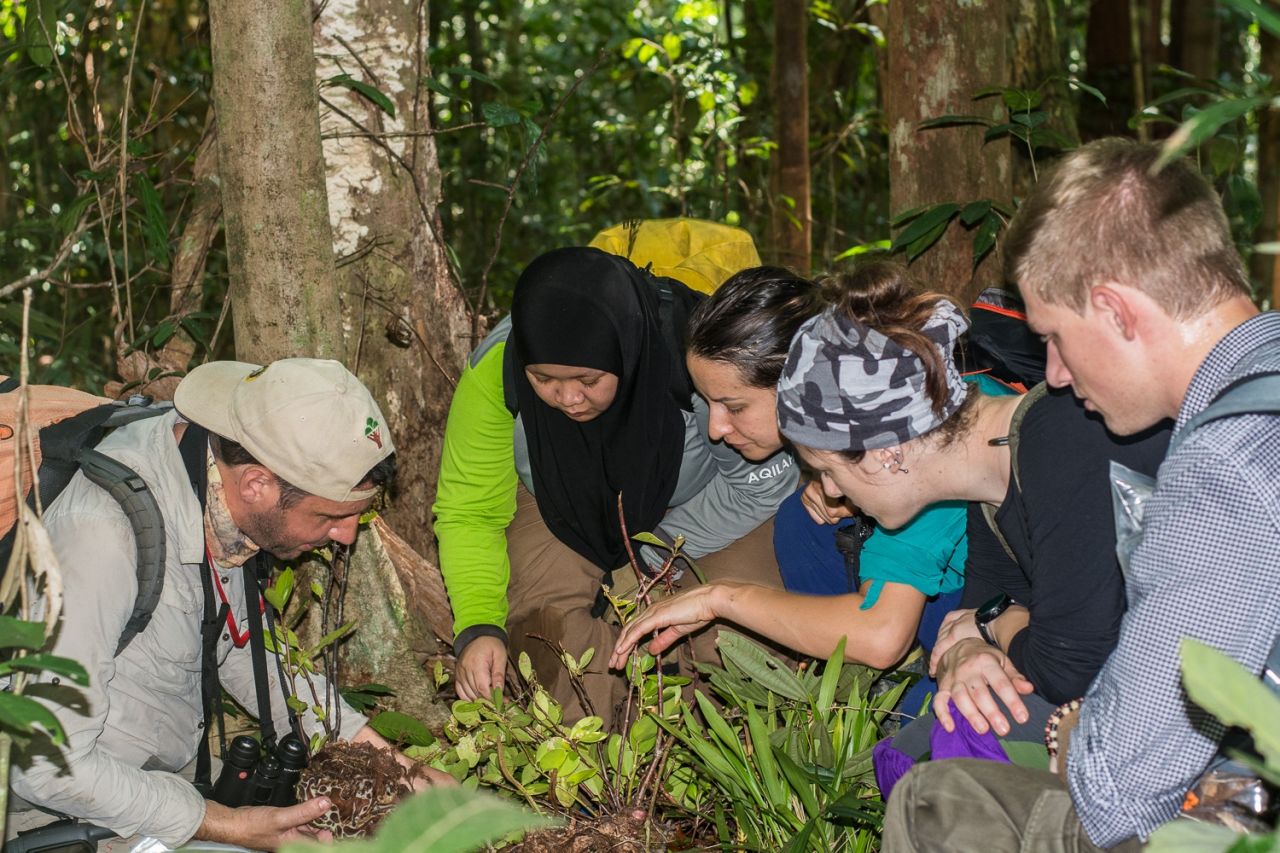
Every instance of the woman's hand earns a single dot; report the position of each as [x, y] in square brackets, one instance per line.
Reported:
[956, 626]
[672, 618]
[481, 667]
[968, 674]
[822, 509]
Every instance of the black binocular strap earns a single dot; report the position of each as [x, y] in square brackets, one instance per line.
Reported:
[194, 449]
[255, 571]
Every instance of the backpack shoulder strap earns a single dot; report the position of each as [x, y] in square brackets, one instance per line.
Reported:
[1028, 400]
[1256, 394]
[140, 507]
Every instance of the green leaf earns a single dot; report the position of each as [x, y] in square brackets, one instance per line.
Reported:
[70, 215]
[17, 634]
[985, 239]
[331, 637]
[43, 662]
[38, 29]
[1024, 753]
[831, 677]
[1034, 119]
[926, 222]
[1203, 125]
[463, 71]
[1231, 693]
[278, 594]
[854, 251]
[499, 115]
[996, 131]
[1268, 17]
[1021, 100]
[155, 226]
[441, 820]
[765, 762]
[671, 44]
[1087, 89]
[917, 247]
[974, 211]
[362, 88]
[762, 667]
[438, 86]
[162, 332]
[1243, 200]
[802, 784]
[401, 728]
[650, 539]
[953, 121]
[1183, 835]
[907, 215]
[24, 715]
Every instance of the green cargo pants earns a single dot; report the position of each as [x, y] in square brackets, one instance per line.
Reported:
[969, 805]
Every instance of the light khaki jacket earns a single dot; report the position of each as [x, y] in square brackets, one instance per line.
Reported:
[139, 720]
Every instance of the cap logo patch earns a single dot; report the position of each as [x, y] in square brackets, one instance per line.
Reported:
[256, 373]
[373, 432]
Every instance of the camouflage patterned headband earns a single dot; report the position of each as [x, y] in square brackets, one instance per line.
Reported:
[846, 386]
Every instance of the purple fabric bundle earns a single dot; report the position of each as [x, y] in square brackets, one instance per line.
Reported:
[892, 764]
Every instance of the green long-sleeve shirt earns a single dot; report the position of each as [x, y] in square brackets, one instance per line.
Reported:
[719, 496]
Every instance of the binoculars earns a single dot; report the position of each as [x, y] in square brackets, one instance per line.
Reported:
[252, 776]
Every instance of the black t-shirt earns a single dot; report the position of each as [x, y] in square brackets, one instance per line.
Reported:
[1060, 527]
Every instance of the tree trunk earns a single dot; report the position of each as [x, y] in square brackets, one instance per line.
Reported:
[938, 55]
[792, 221]
[284, 294]
[1108, 69]
[1266, 268]
[407, 325]
[1193, 37]
[1037, 48]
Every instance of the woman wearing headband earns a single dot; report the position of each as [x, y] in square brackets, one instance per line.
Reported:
[738, 342]
[579, 396]
[871, 398]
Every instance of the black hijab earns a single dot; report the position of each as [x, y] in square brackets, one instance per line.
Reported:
[587, 308]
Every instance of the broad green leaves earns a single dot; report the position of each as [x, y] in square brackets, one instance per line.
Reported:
[21, 715]
[924, 226]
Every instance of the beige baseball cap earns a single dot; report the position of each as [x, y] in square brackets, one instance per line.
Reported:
[308, 420]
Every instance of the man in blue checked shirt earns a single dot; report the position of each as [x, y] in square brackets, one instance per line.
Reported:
[1134, 282]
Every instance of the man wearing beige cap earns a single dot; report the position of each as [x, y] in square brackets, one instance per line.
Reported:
[295, 452]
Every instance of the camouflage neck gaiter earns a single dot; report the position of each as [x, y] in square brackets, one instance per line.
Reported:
[846, 386]
[228, 544]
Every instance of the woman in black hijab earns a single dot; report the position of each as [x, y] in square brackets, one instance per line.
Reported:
[599, 316]
[591, 365]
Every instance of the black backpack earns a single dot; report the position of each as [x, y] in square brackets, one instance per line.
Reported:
[67, 447]
[1000, 343]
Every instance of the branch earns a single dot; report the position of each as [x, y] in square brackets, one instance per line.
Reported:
[515, 183]
[400, 134]
[64, 252]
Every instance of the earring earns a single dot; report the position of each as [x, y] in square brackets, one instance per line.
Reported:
[897, 462]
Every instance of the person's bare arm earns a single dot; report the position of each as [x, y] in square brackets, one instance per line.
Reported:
[810, 624]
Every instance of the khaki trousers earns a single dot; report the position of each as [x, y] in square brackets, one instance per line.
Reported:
[553, 588]
[964, 804]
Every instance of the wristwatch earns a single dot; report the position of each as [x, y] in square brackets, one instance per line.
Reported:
[987, 613]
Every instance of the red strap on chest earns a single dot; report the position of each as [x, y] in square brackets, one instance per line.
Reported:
[238, 638]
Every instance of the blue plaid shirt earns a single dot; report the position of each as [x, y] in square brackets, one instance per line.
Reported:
[1208, 567]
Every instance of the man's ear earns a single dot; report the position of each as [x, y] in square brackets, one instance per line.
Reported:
[1113, 305]
[256, 485]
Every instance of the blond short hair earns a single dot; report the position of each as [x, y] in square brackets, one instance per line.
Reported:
[1104, 216]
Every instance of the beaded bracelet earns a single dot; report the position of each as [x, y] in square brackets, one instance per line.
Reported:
[1055, 720]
